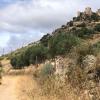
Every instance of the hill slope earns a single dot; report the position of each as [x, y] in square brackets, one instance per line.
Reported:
[67, 62]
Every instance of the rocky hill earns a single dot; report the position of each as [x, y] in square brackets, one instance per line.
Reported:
[70, 59]
[85, 27]
[88, 19]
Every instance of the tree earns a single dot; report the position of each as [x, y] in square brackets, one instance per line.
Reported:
[44, 40]
[84, 32]
[40, 52]
[97, 27]
[62, 43]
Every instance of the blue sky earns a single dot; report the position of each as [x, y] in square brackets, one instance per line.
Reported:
[23, 21]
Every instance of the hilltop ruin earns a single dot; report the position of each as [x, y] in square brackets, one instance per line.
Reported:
[87, 18]
[88, 11]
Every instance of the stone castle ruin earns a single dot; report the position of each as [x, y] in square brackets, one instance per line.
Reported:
[88, 11]
[98, 12]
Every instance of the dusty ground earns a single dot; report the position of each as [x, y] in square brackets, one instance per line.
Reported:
[8, 88]
[20, 85]
[11, 83]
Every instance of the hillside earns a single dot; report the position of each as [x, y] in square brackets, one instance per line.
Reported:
[83, 28]
[65, 64]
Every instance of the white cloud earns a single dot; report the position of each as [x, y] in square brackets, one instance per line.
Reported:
[40, 14]
[32, 18]
[4, 39]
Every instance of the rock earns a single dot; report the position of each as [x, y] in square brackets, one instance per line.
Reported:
[91, 76]
[89, 63]
[93, 94]
[91, 84]
[62, 65]
[62, 68]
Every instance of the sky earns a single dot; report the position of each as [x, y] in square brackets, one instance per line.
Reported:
[25, 21]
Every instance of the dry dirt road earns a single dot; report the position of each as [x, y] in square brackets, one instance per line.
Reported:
[8, 88]
[11, 83]
[19, 87]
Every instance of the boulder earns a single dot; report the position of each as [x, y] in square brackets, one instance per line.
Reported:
[62, 65]
[89, 63]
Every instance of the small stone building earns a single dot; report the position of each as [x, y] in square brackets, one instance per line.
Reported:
[88, 11]
[98, 12]
[78, 13]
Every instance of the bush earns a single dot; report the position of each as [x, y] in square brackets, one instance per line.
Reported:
[44, 40]
[97, 28]
[63, 43]
[1, 58]
[84, 49]
[17, 62]
[38, 54]
[0, 64]
[84, 33]
[94, 17]
[95, 49]
[47, 70]
[13, 61]
[32, 55]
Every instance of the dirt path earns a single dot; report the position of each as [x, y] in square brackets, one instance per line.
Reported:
[19, 86]
[8, 88]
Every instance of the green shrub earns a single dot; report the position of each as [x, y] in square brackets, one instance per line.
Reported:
[84, 32]
[94, 16]
[0, 64]
[84, 49]
[1, 58]
[80, 51]
[13, 61]
[44, 40]
[17, 62]
[62, 43]
[47, 70]
[38, 54]
[97, 27]
[95, 49]
[32, 55]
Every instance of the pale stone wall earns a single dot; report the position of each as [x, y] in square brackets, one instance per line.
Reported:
[88, 11]
[78, 13]
[98, 12]
[62, 65]
[89, 63]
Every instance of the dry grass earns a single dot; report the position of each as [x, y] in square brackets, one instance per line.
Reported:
[65, 91]
[73, 88]
[29, 90]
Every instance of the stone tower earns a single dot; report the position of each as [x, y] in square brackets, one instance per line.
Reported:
[78, 13]
[88, 11]
[98, 12]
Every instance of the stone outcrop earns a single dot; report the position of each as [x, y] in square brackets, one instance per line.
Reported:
[87, 19]
[62, 65]
[89, 63]
[59, 65]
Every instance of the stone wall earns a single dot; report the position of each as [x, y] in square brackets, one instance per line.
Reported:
[88, 11]
[98, 12]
